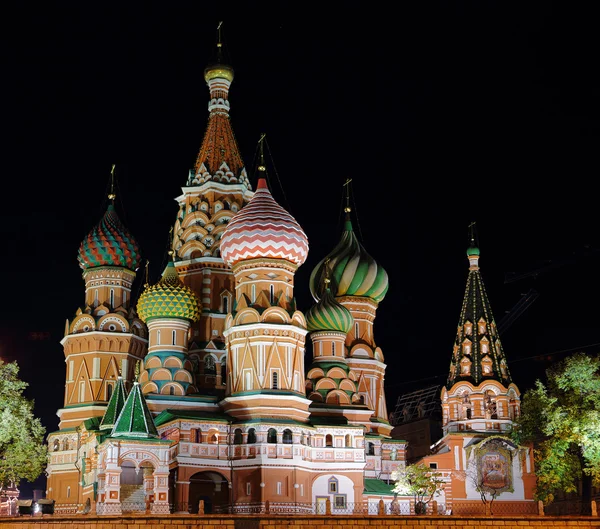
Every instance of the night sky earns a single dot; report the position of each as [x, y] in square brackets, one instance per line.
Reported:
[441, 113]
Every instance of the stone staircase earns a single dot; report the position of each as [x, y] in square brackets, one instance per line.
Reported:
[133, 498]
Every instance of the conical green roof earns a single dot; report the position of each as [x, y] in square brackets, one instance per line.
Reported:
[135, 419]
[115, 405]
[169, 298]
[328, 315]
[353, 272]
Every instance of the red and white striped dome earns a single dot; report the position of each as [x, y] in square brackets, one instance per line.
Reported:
[263, 229]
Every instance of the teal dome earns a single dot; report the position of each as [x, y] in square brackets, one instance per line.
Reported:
[109, 244]
[169, 298]
[353, 272]
[329, 315]
[472, 250]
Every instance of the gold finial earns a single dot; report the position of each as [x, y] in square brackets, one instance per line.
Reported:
[347, 209]
[472, 233]
[261, 166]
[120, 374]
[112, 195]
[147, 284]
[137, 370]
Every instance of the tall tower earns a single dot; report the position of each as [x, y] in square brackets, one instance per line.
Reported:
[264, 246]
[168, 308]
[359, 284]
[216, 189]
[479, 394]
[105, 339]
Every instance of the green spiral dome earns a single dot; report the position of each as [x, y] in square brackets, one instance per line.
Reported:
[169, 298]
[353, 272]
[328, 315]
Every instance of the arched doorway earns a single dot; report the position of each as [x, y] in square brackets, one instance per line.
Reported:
[211, 487]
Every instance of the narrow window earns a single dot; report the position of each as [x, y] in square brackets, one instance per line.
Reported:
[253, 293]
[81, 391]
[248, 489]
[279, 487]
[348, 441]
[124, 298]
[333, 348]
[370, 449]
[237, 436]
[225, 305]
[275, 381]
[112, 297]
[158, 337]
[174, 338]
[301, 489]
[333, 485]
[272, 294]
[251, 436]
[95, 297]
[272, 435]
[356, 329]
[68, 492]
[109, 390]
[71, 368]
[96, 368]
[328, 440]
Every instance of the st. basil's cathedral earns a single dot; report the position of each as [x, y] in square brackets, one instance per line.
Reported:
[198, 391]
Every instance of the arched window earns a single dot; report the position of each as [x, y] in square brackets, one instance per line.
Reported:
[370, 449]
[328, 440]
[272, 435]
[225, 305]
[237, 436]
[56, 445]
[214, 439]
[287, 436]
[171, 390]
[348, 441]
[275, 380]
[251, 436]
[196, 435]
[109, 390]
[112, 297]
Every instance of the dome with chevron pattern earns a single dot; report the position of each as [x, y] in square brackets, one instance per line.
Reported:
[109, 244]
[169, 298]
[328, 315]
[263, 228]
[353, 272]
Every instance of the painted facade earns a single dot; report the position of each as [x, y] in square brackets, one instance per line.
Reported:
[198, 390]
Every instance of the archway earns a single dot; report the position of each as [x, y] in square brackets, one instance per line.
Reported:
[211, 487]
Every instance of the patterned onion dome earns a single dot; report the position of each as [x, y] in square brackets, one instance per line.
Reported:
[109, 244]
[263, 228]
[352, 270]
[169, 298]
[328, 315]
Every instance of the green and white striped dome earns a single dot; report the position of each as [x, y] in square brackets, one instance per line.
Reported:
[353, 272]
[329, 315]
[169, 298]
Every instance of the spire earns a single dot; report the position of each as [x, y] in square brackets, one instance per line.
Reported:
[115, 405]
[112, 195]
[135, 419]
[219, 157]
[478, 355]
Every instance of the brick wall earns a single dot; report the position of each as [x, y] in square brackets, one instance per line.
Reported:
[295, 522]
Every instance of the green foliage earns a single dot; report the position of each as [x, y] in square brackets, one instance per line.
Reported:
[419, 481]
[562, 420]
[23, 454]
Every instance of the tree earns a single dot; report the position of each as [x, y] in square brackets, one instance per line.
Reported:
[562, 420]
[23, 454]
[419, 481]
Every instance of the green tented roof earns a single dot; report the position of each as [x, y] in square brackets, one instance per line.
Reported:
[135, 419]
[115, 405]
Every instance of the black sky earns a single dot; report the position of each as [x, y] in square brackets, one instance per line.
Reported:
[441, 113]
